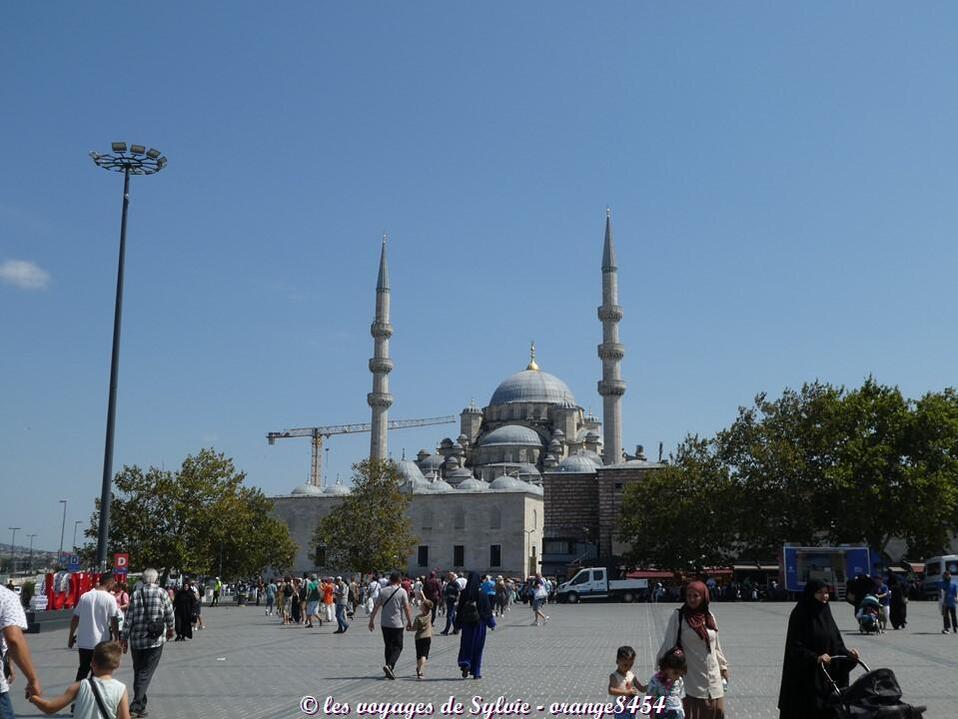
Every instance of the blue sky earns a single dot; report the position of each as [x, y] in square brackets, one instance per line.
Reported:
[781, 177]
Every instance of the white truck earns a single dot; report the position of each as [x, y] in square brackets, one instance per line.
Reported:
[594, 583]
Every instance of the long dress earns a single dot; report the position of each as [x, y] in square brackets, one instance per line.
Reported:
[184, 603]
[805, 690]
[472, 637]
[899, 609]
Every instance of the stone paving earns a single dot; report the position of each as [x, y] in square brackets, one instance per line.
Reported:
[248, 665]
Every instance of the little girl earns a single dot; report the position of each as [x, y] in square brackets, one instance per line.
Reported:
[622, 682]
[667, 683]
[422, 625]
[116, 701]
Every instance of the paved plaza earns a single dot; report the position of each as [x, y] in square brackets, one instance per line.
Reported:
[248, 665]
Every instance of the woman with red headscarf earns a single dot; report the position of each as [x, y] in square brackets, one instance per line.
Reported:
[692, 627]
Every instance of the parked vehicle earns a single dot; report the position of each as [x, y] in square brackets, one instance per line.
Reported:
[935, 567]
[594, 583]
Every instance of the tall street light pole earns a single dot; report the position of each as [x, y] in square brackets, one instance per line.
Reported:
[136, 160]
[30, 570]
[13, 544]
[63, 526]
[76, 524]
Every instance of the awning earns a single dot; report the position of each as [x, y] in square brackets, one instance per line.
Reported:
[755, 567]
[650, 574]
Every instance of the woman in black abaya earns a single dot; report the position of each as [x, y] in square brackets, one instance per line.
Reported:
[813, 639]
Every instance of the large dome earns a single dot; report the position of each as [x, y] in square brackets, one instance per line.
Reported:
[532, 386]
[512, 434]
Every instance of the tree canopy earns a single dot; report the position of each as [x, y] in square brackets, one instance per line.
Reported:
[369, 531]
[189, 519]
[819, 465]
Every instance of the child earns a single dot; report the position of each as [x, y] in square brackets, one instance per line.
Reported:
[106, 658]
[422, 625]
[667, 683]
[622, 682]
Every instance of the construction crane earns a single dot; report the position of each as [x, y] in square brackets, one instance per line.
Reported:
[319, 434]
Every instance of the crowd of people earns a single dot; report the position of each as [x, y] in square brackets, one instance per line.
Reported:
[690, 681]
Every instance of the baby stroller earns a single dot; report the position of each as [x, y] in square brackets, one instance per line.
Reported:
[870, 616]
[874, 695]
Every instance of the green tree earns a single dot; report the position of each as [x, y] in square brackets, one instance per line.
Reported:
[369, 531]
[779, 453]
[187, 520]
[684, 516]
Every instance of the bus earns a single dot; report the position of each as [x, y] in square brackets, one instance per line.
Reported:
[935, 567]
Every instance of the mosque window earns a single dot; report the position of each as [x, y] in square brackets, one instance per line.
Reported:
[426, 519]
[423, 555]
[495, 518]
[535, 518]
[495, 555]
[459, 519]
[458, 555]
[320, 555]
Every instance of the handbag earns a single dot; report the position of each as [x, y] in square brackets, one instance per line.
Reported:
[470, 612]
[155, 626]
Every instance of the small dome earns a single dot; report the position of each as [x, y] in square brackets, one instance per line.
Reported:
[338, 490]
[528, 470]
[456, 445]
[441, 485]
[505, 483]
[532, 385]
[512, 434]
[576, 464]
[558, 434]
[446, 442]
[430, 463]
[472, 485]
[594, 456]
[459, 474]
[307, 490]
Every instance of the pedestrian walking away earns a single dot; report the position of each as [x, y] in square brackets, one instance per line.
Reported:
[96, 618]
[101, 689]
[392, 603]
[693, 629]
[451, 596]
[149, 624]
[341, 599]
[473, 617]
[184, 609]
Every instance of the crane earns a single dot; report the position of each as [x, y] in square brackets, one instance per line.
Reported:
[319, 434]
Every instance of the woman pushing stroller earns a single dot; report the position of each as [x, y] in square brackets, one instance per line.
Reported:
[812, 640]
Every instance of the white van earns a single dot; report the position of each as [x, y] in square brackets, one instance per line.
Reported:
[935, 567]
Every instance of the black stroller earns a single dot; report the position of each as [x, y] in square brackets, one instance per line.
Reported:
[874, 695]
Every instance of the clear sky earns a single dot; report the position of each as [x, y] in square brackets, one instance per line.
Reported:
[782, 178]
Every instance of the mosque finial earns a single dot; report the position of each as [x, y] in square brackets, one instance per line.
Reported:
[532, 357]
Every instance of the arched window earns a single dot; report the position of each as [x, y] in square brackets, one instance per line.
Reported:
[495, 518]
[535, 518]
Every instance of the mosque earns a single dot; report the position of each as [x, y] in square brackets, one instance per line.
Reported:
[532, 482]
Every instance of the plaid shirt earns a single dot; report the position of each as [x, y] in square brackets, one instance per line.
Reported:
[147, 603]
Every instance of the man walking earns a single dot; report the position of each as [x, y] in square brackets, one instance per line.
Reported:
[13, 646]
[451, 595]
[96, 618]
[217, 588]
[947, 601]
[148, 625]
[393, 602]
[341, 597]
[432, 590]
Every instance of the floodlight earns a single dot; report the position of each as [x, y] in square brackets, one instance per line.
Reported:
[137, 149]
[118, 146]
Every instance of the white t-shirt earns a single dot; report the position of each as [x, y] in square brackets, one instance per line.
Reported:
[95, 609]
[11, 615]
[461, 581]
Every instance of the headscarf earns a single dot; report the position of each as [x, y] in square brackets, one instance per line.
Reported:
[700, 620]
[811, 606]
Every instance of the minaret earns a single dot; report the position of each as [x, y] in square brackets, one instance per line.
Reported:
[611, 352]
[380, 365]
